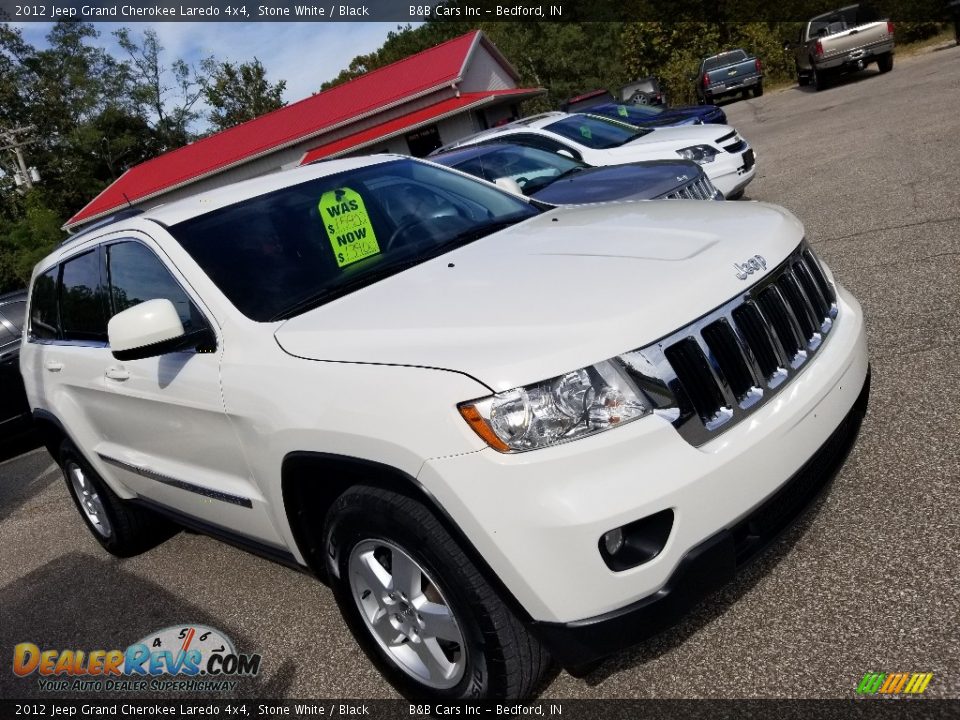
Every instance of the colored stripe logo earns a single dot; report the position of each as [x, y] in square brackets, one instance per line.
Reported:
[894, 683]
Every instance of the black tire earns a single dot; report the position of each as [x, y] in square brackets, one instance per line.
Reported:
[735, 196]
[803, 79]
[758, 90]
[818, 78]
[885, 62]
[498, 655]
[128, 529]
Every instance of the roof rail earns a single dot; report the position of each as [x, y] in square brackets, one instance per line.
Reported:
[119, 215]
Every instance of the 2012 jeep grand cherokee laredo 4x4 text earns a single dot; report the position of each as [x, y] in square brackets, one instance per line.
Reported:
[507, 434]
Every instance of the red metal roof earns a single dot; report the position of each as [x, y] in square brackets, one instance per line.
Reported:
[374, 91]
[408, 122]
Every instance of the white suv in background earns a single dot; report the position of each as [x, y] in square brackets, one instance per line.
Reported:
[726, 157]
[505, 433]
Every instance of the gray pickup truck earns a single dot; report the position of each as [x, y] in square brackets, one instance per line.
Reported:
[726, 73]
[842, 41]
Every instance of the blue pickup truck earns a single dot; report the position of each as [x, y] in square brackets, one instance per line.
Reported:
[727, 73]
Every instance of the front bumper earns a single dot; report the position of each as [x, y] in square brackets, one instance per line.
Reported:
[536, 518]
[731, 172]
[711, 564]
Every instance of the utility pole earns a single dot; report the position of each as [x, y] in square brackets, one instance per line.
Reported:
[28, 175]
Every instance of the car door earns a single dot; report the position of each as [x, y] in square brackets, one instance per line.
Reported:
[13, 400]
[68, 344]
[167, 436]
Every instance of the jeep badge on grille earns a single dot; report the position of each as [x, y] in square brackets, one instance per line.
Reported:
[754, 264]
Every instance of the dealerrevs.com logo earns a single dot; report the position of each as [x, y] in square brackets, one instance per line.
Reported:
[186, 658]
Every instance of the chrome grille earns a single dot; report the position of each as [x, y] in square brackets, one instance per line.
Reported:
[699, 189]
[712, 374]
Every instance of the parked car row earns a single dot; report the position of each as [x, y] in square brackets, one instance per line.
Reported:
[725, 157]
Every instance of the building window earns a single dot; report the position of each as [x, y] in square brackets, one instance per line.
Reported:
[424, 141]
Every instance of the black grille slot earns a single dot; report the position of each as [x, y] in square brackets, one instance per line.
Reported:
[726, 137]
[693, 372]
[802, 273]
[776, 312]
[723, 343]
[736, 147]
[753, 329]
[801, 311]
[819, 277]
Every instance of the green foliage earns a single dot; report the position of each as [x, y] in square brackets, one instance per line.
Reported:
[89, 116]
[26, 240]
[907, 32]
[237, 93]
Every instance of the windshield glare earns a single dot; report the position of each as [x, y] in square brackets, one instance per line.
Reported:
[594, 132]
[272, 254]
[531, 168]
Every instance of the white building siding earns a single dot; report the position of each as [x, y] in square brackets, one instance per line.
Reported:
[485, 73]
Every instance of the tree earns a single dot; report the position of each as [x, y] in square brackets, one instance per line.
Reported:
[165, 94]
[237, 93]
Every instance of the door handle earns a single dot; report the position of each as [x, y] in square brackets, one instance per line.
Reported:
[116, 373]
[53, 365]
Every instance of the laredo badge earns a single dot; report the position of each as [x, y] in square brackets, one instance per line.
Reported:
[348, 226]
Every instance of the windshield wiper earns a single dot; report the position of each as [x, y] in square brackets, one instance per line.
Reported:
[567, 173]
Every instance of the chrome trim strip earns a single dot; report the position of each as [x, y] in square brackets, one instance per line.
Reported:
[180, 484]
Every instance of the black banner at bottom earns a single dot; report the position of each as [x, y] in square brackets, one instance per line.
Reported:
[860, 708]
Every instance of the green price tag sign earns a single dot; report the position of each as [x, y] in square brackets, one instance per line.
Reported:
[585, 131]
[348, 226]
[622, 110]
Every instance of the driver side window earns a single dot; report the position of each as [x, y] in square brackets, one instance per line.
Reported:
[137, 275]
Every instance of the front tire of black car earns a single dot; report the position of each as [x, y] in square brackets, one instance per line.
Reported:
[418, 606]
[885, 63]
[121, 528]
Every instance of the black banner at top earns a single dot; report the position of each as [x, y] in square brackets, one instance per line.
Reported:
[403, 11]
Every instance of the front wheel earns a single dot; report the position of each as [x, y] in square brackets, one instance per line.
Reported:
[419, 607]
[885, 62]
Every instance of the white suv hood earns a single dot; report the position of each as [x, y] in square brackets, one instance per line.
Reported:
[565, 289]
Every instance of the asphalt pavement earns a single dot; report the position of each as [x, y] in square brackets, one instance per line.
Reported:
[866, 582]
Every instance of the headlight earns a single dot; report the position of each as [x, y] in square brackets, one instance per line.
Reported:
[700, 154]
[573, 405]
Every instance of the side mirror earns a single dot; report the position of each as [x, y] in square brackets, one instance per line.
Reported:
[149, 329]
[509, 184]
[566, 153]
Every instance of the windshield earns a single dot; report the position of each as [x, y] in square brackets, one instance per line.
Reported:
[595, 132]
[724, 59]
[280, 254]
[628, 113]
[531, 168]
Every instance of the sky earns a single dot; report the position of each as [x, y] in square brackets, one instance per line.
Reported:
[304, 54]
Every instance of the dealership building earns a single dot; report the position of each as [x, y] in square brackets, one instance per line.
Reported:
[412, 107]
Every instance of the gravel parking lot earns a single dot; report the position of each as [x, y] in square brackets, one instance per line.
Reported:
[867, 581]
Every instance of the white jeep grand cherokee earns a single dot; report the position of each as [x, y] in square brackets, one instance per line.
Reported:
[505, 433]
